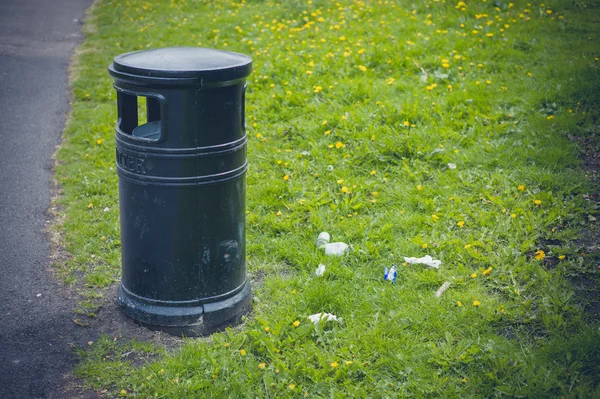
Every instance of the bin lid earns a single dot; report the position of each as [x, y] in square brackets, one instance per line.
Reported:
[185, 62]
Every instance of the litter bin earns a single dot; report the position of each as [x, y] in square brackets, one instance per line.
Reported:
[182, 187]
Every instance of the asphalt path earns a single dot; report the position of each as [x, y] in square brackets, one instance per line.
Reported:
[37, 39]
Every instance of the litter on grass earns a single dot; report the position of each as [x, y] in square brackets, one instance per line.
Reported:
[320, 270]
[323, 239]
[442, 289]
[390, 275]
[337, 249]
[318, 317]
[425, 260]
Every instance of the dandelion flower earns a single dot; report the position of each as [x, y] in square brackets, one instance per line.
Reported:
[339, 144]
[458, 303]
[262, 366]
[561, 257]
[296, 323]
[474, 275]
[99, 141]
[345, 190]
[242, 352]
[476, 303]
[362, 68]
[373, 172]
[334, 364]
[487, 271]
[520, 187]
[460, 223]
[539, 254]
[286, 177]
[537, 202]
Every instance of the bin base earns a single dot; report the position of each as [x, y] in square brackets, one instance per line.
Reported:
[179, 319]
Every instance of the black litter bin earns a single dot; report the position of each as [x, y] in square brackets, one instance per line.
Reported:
[182, 187]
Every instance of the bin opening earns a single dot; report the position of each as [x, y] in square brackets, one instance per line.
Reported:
[139, 116]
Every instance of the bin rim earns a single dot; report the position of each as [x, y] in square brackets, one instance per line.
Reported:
[209, 65]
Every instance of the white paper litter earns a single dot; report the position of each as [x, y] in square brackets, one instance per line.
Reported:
[320, 270]
[442, 289]
[337, 248]
[425, 260]
[317, 317]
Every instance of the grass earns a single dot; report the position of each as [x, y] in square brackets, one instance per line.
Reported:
[357, 113]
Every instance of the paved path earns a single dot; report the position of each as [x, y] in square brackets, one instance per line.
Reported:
[37, 38]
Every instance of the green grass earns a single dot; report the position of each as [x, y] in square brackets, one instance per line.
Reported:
[396, 92]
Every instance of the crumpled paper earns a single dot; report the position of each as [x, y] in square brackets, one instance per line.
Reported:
[337, 248]
[425, 260]
[320, 270]
[318, 317]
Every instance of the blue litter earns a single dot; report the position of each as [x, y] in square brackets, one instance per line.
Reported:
[390, 275]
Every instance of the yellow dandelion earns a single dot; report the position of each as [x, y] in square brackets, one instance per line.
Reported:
[373, 172]
[309, 72]
[539, 254]
[419, 187]
[242, 352]
[474, 275]
[278, 213]
[327, 132]
[435, 218]
[348, 362]
[537, 202]
[102, 238]
[123, 392]
[362, 68]
[487, 271]
[296, 323]
[286, 177]
[406, 123]
[512, 215]
[292, 386]
[561, 257]
[340, 181]
[339, 144]
[520, 187]
[259, 136]
[262, 366]
[458, 303]
[460, 223]
[90, 205]
[334, 364]
[476, 303]
[99, 141]
[324, 122]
